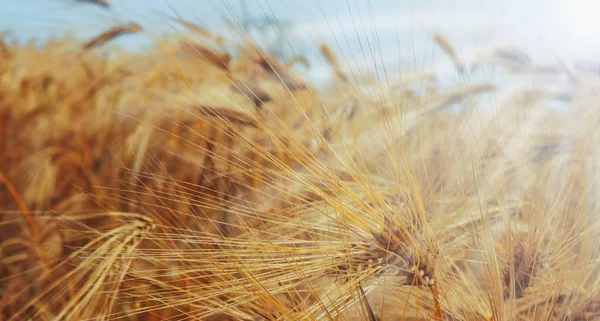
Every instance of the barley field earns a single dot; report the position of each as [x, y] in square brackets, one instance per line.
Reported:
[229, 173]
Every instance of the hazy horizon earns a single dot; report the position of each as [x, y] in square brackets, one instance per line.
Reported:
[399, 32]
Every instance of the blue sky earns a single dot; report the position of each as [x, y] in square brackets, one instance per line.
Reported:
[560, 22]
[571, 28]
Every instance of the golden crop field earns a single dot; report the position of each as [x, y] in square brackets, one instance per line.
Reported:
[207, 179]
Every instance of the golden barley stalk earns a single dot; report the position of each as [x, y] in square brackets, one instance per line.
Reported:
[258, 198]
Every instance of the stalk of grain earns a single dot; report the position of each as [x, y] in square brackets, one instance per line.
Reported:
[227, 211]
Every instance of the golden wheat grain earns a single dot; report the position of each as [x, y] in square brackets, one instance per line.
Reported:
[443, 42]
[196, 189]
[111, 34]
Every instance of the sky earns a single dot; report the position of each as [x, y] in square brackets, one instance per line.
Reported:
[401, 30]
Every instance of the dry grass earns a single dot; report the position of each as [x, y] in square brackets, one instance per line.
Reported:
[191, 183]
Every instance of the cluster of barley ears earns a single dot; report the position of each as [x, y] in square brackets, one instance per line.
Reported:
[199, 182]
